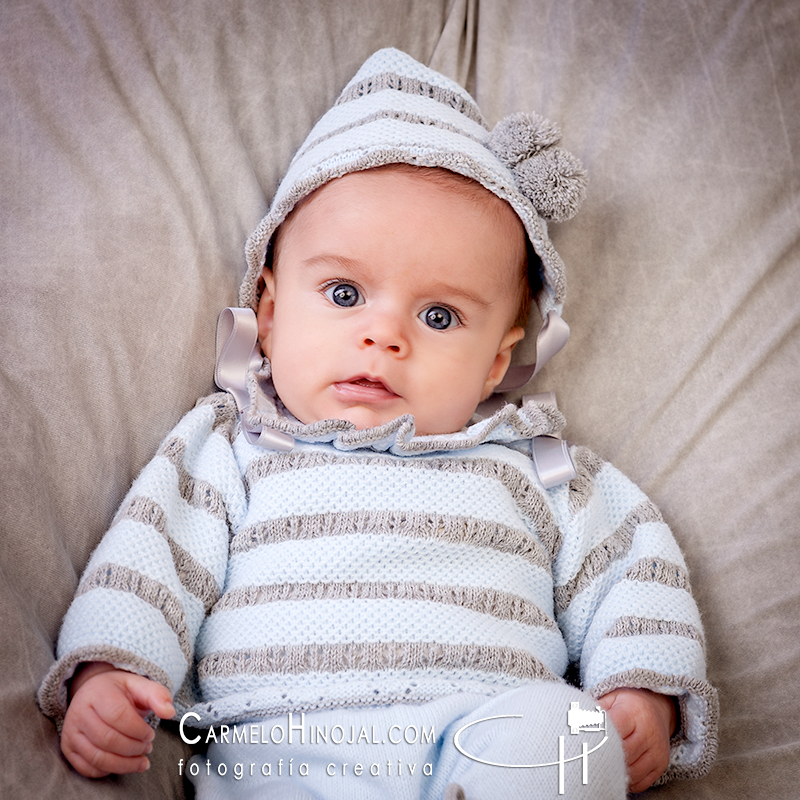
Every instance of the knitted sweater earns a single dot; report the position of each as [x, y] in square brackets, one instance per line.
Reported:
[374, 567]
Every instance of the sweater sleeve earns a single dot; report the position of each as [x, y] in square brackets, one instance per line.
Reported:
[624, 604]
[161, 566]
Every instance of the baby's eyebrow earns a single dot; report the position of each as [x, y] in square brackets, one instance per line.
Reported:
[447, 290]
[434, 289]
[327, 259]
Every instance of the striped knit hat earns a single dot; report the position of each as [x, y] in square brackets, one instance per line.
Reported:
[396, 110]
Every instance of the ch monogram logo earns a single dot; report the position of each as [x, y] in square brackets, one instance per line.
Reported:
[579, 721]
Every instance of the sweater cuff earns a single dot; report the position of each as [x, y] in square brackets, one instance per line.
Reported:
[53, 695]
[693, 747]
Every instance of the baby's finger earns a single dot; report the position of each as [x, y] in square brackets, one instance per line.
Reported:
[82, 765]
[643, 772]
[647, 758]
[635, 750]
[150, 696]
[119, 713]
[623, 721]
[112, 740]
[93, 762]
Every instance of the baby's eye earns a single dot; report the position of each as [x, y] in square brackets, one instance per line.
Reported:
[343, 294]
[439, 318]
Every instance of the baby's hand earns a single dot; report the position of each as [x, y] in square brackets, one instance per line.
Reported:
[645, 721]
[104, 728]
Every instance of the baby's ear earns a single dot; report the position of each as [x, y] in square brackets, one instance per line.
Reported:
[502, 360]
[265, 314]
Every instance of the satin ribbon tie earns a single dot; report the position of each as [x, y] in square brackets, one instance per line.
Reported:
[554, 334]
[551, 456]
[238, 354]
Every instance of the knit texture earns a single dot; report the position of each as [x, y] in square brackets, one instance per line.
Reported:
[342, 575]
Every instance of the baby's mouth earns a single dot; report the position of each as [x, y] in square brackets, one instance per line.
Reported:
[370, 384]
[366, 387]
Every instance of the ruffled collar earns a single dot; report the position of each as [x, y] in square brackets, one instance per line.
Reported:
[508, 425]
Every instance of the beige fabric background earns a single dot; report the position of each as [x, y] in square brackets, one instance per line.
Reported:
[140, 142]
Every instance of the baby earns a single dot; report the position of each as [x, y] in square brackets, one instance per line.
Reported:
[341, 539]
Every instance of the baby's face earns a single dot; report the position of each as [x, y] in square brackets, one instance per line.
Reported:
[392, 294]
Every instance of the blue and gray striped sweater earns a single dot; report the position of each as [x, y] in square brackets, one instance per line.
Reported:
[374, 567]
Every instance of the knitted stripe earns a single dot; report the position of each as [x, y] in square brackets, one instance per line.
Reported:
[197, 493]
[226, 415]
[501, 605]
[411, 86]
[610, 550]
[122, 579]
[385, 683]
[373, 656]
[593, 612]
[684, 655]
[395, 114]
[659, 570]
[375, 558]
[145, 510]
[194, 577]
[587, 465]
[446, 528]
[275, 464]
[526, 494]
[641, 626]
[362, 621]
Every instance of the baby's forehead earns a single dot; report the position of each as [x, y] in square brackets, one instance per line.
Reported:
[378, 182]
[437, 191]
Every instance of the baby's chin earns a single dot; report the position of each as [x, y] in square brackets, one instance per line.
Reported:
[364, 418]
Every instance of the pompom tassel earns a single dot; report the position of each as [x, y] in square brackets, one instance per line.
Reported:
[521, 135]
[552, 178]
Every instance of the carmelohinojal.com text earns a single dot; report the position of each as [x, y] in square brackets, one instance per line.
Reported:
[294, 732]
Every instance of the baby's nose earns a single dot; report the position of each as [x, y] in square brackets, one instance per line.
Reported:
[386, 333]
[395, 348]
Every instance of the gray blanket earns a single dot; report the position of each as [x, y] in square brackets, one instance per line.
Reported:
[140, 143]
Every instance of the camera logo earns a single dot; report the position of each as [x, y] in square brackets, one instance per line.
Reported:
[579, 720]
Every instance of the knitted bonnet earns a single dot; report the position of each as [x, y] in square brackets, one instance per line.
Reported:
[397, 110]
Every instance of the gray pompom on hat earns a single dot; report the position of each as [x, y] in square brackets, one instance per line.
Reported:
[552, 178]
[397, 110]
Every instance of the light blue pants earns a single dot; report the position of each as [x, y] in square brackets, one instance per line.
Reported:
[547, 740]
